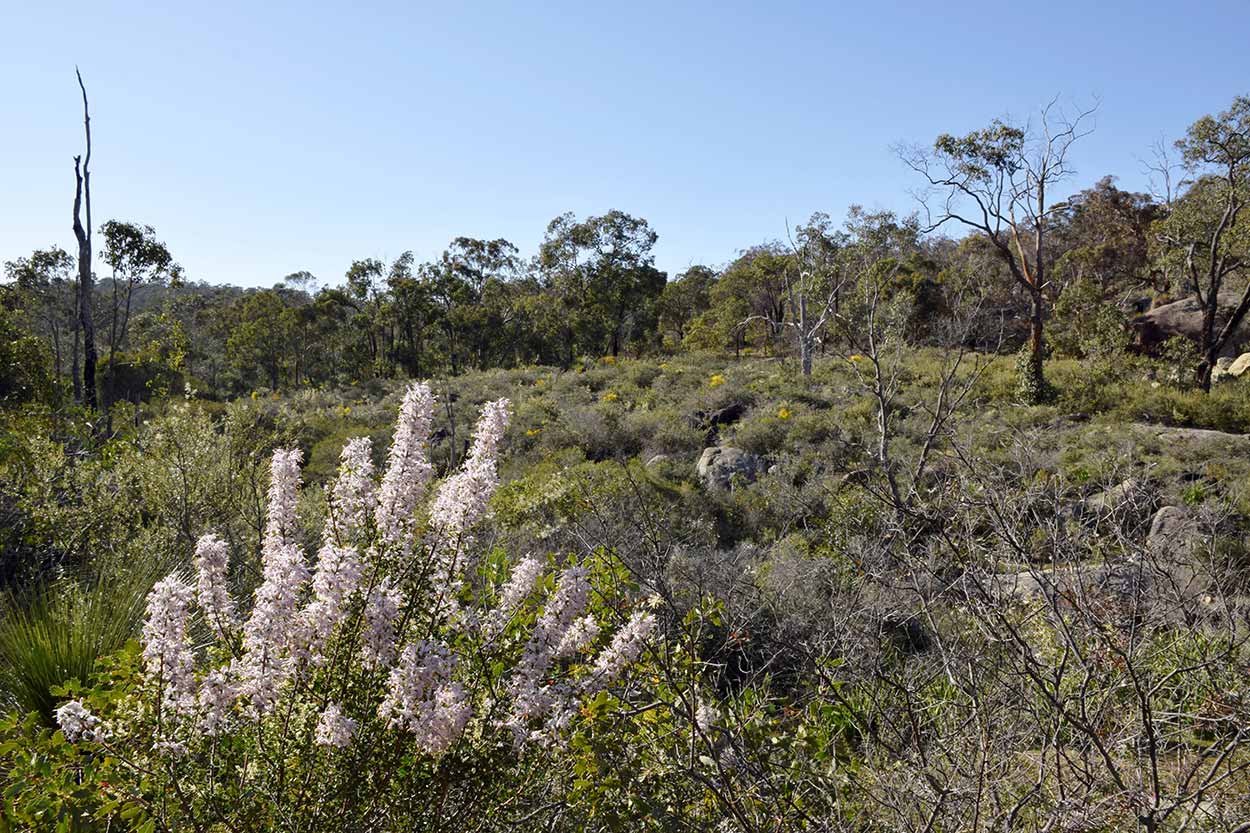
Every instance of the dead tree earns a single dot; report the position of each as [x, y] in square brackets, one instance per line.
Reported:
[82, 194]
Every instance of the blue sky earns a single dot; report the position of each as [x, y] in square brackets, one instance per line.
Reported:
[264, 138]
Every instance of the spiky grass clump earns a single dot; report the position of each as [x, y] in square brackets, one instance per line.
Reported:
[56, 632]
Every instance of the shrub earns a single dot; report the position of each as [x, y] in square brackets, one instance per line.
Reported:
[411, 656]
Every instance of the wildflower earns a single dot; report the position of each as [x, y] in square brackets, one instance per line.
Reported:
[611, 396]
[463, 500]
[337, 577]
[422, 698]
[77, 722]
[170, 748]
[211, 565]
[532, 697]
[271, 630]
[625, 649]
[377, 647]
[582, 632]
[444, 719]
[519, 585]
[166, 649]
[408, 469]
[716, 381]
[351, 497]
[783, 413]
[335, 728]
[214, 699]
[280, 524]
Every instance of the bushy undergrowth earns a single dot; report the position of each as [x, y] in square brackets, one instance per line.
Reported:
[829, 655]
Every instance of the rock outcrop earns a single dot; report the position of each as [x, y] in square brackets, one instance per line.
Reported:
[1184, 318]
[719, 467]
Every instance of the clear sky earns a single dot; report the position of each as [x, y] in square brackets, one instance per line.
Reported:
[262, 138]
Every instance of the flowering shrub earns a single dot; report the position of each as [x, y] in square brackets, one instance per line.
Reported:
[362, 684]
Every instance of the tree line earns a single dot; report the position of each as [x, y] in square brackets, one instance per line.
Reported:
[990, 245]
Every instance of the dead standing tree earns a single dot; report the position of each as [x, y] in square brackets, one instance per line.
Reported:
[995, 181]
[82, 194]
[811, 284]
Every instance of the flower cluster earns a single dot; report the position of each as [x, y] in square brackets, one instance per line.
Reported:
[384, 592]
[408, 469]
[166, 648]
[625, 649]
[212, 560]
[462, 500]
[520, 584]
[534, 698]
[377, 643]
[78, 723]
[338, 574]
[351, 499]
[213, 702]
[335, 728]
[270, 632]
[422, 697]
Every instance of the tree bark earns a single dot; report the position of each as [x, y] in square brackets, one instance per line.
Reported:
[805, 338]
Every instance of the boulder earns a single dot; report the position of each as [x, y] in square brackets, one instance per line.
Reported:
[1116, 497]
[719, 466]
[1173, 532]
[1184, 318]
[906, 632]
[727, 415]
[1126, 581]
[1207, 439]
[1220, 371]
[1239, 366]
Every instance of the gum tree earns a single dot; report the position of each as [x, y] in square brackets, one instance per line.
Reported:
[996, 182]
[1206, 237]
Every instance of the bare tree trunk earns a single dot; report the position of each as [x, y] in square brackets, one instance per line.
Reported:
[74, 364]
[1037, 344]
[82, 177]
[55, 330]
[1209, 349]
[805, 338]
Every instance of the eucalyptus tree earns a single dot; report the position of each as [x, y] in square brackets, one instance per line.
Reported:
[48, 293]
[997, 182]
[814, 283]
[601, 271]
[1205, 239]
[684, 298]
[468, 284]
[135, 257]
[752, 291]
